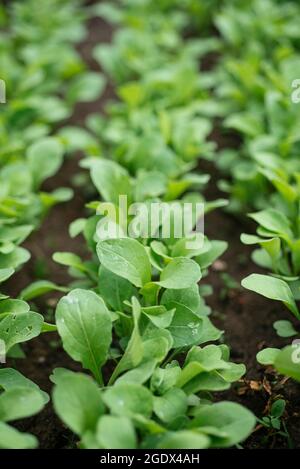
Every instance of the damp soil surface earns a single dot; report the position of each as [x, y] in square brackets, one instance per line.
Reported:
[245, 317]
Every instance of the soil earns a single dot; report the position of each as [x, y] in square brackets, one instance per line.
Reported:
[245, 317]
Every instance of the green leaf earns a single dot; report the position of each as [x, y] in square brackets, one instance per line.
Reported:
[150, 184]
[159, 315]
[86, 87]
[44, 158]
[210, 357]
[180, 273]
[16, 352]
[111, 180]
[190, 330]
[272, 246]
[284, 328]
[134, 351]
[171, 405]
[273, 220]
[11, 378]
[202, 361]
[20, 402]
[114, 289]
[244, 122]
[184, 247]
[116, 433]
[13, 306]
[77, 227]
[77, 139]
[85, 326]
[77, 401]
[5, 274]
[278, 408]
[128, 399]
[127, 258]
[141, 374]
[186, 299]
[10, 438]
[287, 361]
[132, 93]
[267, 356]
[184, 439]
[160, 249]
[156, 346]
[164, 379]
[216, 249]
[39, 288]
[272, 288]
[232, 419]
[47, 327]
[188, 327]
[14, 259]
[18, 328]
[195, 379]
[69, 259]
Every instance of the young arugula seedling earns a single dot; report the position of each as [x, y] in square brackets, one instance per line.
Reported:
[274, 421]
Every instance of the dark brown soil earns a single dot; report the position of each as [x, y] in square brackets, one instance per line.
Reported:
[245, 317]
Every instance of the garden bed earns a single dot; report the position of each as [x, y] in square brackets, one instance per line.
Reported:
[245, 317]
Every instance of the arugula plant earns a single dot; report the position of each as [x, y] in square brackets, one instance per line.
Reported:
[162, 119]
[279, 252]
[169, 141]
[255, 85]
[147, 38]
[18, 323]
[266, 163]
[147, 417]
[145, 269]
[33, 76]
[126, 265]
[21, 203]
[278, 238]
[113, 181]
[187, 15]
[274, 421]
[286, 361]
[149, 400]
[19, 398]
